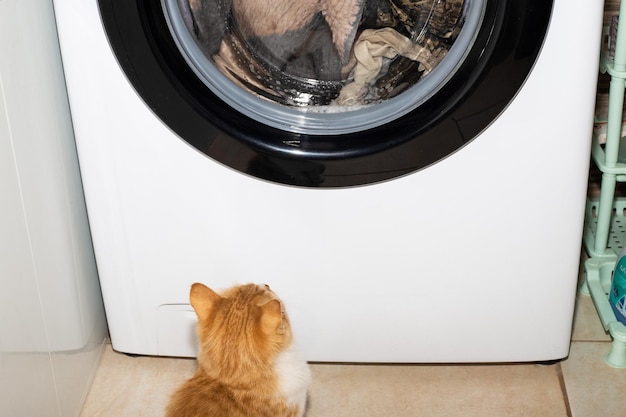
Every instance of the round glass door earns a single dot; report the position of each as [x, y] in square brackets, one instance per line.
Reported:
[324, 67]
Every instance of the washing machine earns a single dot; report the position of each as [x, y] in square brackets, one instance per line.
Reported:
[409, 177]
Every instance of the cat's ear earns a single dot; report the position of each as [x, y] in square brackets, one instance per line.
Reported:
[203, 300]
[272, 317]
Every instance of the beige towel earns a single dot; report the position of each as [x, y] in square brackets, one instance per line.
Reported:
[370, 49]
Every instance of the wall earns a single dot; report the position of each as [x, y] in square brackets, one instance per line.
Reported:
[52, 325]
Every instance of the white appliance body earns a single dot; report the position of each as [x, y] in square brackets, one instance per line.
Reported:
[472, 259]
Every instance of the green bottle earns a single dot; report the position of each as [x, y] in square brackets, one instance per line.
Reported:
[617, 295]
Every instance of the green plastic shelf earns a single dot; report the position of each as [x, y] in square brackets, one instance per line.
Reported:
[605, 217]
[616, 229]
[599, 271]
[598, 274]
[607, 66]
[599, 158]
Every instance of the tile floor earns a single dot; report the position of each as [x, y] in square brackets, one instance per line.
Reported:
[580, 386]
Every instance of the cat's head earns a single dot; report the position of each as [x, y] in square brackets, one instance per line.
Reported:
[241, 327]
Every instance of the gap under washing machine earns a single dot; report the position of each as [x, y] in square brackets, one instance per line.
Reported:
[409, 177]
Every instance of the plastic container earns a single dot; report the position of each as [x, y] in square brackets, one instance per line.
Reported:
[617, 294]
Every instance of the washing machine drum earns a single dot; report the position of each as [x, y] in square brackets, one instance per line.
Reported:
[327, 93]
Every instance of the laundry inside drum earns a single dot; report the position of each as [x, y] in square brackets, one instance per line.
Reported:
[377, 59]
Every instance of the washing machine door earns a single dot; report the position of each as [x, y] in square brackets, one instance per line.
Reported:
[327, 93]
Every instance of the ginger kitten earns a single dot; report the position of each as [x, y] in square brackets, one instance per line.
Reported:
[247, 365]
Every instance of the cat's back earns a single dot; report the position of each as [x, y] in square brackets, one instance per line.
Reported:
[199, 397]
[202, 396]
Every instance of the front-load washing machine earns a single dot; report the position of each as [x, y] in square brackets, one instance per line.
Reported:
[409, 177]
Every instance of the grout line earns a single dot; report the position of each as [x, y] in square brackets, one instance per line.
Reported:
[568, 409]
[591, 341]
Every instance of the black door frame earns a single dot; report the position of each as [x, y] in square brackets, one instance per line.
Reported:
[506, 48]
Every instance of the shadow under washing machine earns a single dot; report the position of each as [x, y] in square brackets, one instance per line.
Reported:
[410, 179]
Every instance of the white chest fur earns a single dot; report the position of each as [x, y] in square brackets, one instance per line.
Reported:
[294, 377]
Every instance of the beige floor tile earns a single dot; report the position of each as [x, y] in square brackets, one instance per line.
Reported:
[587, 325]
[127, 386]
[390, 391]
[140, 386]
[594, 389]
